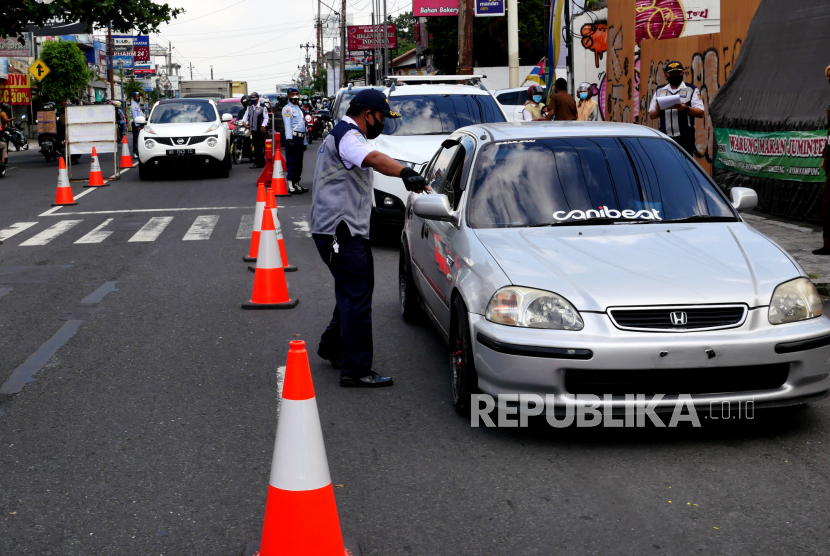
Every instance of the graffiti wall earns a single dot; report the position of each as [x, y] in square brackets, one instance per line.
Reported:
[708, 59]
[619, 74]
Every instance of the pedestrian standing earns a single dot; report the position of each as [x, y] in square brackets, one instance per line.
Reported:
[340, 213]
[587, 109]
[136, 112]
[825, 191]
[256, 117]
[562, 105]
[534, 105]
[677, 121]
[120, 118]
[295, 141]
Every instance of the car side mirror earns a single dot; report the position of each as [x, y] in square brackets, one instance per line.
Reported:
[141, 120]
[433, 207]
[743, 198]
[226, 117]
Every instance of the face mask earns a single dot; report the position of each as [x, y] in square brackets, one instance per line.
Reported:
[374, 130]
[583, 96]
[675, 80]
[537, 98]
[295, 100]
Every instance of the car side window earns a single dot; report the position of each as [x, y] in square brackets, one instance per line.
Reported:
[436, 174]
[505, 98]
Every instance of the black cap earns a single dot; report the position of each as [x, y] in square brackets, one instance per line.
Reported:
[373, 99]
[673, 66]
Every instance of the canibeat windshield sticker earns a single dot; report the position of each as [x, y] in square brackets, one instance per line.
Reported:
[605, 212]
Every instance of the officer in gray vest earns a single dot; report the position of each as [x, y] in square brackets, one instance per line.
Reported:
[340, 212]
[677, 121]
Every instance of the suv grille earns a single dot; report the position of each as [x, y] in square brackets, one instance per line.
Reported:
[679, 319]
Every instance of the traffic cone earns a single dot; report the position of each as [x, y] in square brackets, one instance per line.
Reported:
[96, 178]
[269, 149]
[278, 177]
[300, 511]
[265, 175]
[270, 288]
[126, 159]
[258, 210]
[271, 203]
[64, 195]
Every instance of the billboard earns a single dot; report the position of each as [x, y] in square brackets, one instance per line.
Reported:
[489, 8]
[16, 91]
[433, 8]
[364, 37]
[11, 48]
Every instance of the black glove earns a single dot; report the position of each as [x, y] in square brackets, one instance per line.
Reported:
[412, 180]
[290, 143]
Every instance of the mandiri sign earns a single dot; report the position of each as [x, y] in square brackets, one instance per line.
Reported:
[489, 8]
[367, 37]
[780, 155]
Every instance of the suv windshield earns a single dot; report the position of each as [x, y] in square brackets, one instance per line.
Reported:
[183, 112]
[554, 182]
[231, 108]
[440, 114]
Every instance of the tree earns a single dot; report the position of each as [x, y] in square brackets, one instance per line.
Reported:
[130, 87]
[69, 72]
[405, 25]
[125, 15]
[320, 83]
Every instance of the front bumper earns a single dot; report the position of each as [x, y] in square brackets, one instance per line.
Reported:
[513, 360]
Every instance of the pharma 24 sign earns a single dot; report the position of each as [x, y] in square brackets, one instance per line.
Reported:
[367, 37]
[433, 8]
[783, 155]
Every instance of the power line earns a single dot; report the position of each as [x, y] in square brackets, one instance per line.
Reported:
[211, 13]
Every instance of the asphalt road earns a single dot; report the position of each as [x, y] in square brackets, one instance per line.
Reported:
[151, 429]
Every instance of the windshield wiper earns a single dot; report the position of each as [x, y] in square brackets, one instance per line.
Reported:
[582, 222]
[702, 218]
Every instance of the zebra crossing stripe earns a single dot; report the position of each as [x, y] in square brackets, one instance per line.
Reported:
[98, 234]
[152, 229]
[246, 227]
[15, 229]
[202, 228]
[51, 233]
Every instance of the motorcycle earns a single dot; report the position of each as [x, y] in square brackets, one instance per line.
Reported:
[4, 137]
[309, 125]
[241, 144]
[17, 137]
[52, 145]
[322, 123]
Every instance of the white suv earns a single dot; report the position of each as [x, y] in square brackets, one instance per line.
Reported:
[184, 131]
[430, 112]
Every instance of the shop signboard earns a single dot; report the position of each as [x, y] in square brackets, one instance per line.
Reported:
[366, 37]
[434, 8]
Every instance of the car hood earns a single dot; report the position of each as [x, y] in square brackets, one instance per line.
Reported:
[416, 148]
[596, 267]
[181, 130]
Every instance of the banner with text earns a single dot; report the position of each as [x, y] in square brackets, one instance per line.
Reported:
[16, 91]
[783, 155]
[489, 8]
[11, 47]
[365, 37]
[434, 8]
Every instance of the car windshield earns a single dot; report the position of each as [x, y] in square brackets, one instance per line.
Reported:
[183, 112]
[344, 104]
[552, 182]
[231, 108]
[440, 114]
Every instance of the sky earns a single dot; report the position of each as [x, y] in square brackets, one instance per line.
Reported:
[257, 41]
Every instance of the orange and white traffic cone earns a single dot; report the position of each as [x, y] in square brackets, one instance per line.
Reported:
[64, 196]
[258, 210]
[270, 288]
[269, 149]
[126, 159]
[300, 511]
[271, 204]
[278, 177]
[96, 178]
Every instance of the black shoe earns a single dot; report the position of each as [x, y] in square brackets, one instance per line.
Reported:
[257, 166]
[822, 251]
[334, 359]
[372, 380]
[300, 187]
[291, 189]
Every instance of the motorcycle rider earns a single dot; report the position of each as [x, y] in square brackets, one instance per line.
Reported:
[4, 147]
[120, 117]
[136, 112]
[295, 141]
[256, 117]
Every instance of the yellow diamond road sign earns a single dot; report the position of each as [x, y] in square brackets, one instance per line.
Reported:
[39, 70]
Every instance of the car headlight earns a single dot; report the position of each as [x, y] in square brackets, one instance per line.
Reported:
[212, 142]
[794, 301]
[529, 308]
[149, 144]
[214, 127]
[148, 129]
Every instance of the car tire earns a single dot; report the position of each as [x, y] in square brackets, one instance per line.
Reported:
[145, 173]
[225, 166]
[409, 297]
[463, 375]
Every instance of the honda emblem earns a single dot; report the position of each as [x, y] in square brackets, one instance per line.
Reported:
[678, 318]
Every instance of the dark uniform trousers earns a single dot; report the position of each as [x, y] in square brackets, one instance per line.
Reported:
[686, 142]
[258, 139]
[350, 329]
[294, 161]
[136, 131]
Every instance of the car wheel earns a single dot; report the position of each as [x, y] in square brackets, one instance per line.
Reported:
[410, 304]
[462, 363]
[145, 173]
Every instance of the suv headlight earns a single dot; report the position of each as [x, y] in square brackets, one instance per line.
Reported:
[794, 301]
[148, 129]
[214, 127]
[529, 308]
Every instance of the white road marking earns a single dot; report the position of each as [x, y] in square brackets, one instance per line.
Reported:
[86, 192]
[152, 229]
[51, 233]
[302, 226]
[51, 211]
[98, 234]
[201, 228]
[15, 229]
[143, 210]
[246, 227]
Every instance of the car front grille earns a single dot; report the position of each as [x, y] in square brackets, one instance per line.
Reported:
[678, 319]
[673, 382]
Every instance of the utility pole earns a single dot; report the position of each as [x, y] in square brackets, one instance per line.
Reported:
[109, 62]
[385, 43]
[211, 73]
[307, 46]
[374, 80]
[513, 42]
[568, 40]
[319, 38]
[343, 44]
[191, 71]
[465, 36]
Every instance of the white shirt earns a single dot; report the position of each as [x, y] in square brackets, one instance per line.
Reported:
[354, 147]
[696, 102]
[246, 118]
[135, 110]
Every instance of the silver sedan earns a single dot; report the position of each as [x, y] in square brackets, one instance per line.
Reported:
[572, 258]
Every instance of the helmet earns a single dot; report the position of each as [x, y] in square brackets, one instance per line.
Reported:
[117, 103]
[49, 106]
[245, 100]
[5, 106]
[584, 87]
[534, 90]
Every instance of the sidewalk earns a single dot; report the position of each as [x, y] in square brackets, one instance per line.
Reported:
[799, 241]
